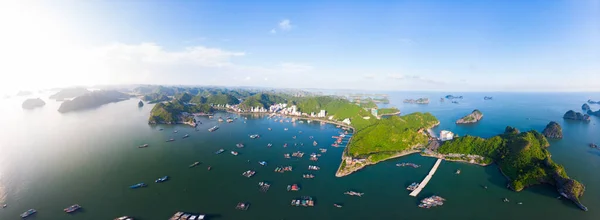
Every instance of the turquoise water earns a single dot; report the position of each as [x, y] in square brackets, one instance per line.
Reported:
[49, 161]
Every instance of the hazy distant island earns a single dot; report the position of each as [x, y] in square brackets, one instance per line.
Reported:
[487, 98]
[417, 101]
[33, 103]
[140, 104]
[577, 116]
[593, 102]
[453, 97]
[474, 117]
[155, 98]
[522, 157]
[585, 107]
[553, 130]
[68, 93]
[92, 100]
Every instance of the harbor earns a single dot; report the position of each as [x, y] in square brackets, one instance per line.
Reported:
[423, 183]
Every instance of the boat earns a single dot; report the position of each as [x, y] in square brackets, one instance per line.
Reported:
[242, 206]
[160, 129]
[220, 151]
[194, 164]
[239, 145]
[408, 164]
[520, 203]
[293, 187]
[143, 146]
[323, 150]
[254, 136]
[294, 137]
[285, 145]
[162, 179]
[249, 173]
[314, 143]
[209, 167]
[311, 167]
[308, 176]
[124, 218]
[186, 136]
[310, 137]
[4, 206]
[214, 128]
[305, 201]
[412, 186]
[229, 120]
[270, 129]
[264, 186]
[352, 193]
[170, 140]
[457, 172]
[505, 200]
[175, 131]
[220, 119]
[285, 129]
[337, 205]
[234, 153]
[72, 208]
[263, 163]
[269, 145]
[432, 202]
[186, 216]
[139, 185]
[286, 156]
[28, 213]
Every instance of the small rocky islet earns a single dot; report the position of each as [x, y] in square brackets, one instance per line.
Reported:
[33, 103]
[576, 116]
[474, 117]
[553, 130]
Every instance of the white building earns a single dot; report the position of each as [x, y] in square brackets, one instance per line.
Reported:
[322, 114]
[446, 135]
[346, 121]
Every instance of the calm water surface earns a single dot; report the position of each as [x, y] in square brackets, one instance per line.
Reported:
[49, 161]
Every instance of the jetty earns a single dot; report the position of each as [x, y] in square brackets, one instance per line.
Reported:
[416, 192]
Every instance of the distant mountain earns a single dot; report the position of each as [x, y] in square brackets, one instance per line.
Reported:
[33, 103]
[23, 93]
[69, 93]
[92, 100]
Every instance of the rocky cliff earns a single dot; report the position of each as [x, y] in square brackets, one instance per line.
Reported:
[572, 115]
[475, 116]
[585, 107]
[33, 103]
[553, 130]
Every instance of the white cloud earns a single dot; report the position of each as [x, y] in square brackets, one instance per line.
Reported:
[247, 78]
[285, 25]
[273, 31]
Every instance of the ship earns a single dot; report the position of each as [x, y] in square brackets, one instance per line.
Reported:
[337, 205]
[249, 173]
[263, 163]
[214, 128]
[139, 185]
[28, 213]
[293, 187]
[242, 206]
[186, 136]
[457, 172]
[170, 140]
[72, 208]
[254, 136]
[124, 218]
[143, 146]
[194, 164]
[162, 179]
[412, 186]
[239, 145]
[352, 193]
[315, 143]
[305, 201]
[308, 176]
[234, 153]
[181, 216]
[220, 151]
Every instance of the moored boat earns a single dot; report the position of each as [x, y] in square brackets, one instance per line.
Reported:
[248, 173]
[352, 193]
[162, 179]
[170, 140]
[139, 185]
[293, 187]
[220, 151]
[337, 205]
[234, 153]
[186, 136]
[263, 163]
[239, 145]
[412, 186]
[308, 176]
[242, 206]
[254, 136]
[143, 146]
[28, 213]
[194, 164]
[311, 167]
[214, 128]
[72, 208]
[124, 218]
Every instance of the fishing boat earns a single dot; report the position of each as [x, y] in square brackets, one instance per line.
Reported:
[220, 151]
[234, 153]
[293, 187]
[229, 120]
[337, 205]
[143, 146]
[505, 200]
[311, 167]
[270, 129]
[4, 206]
[239, 145]
[285, 129]
[194, 164]
[352, 193]
[264, 186]
[186, 136]
[170, 140]
[28, 213]
[242, 206]
[263, 163]
[308, 176]
[214, 128]
[457, 172]
[248, 173]
[432, 201]
[269, 145]
[175, 131]
[139, 185]
[162, 179]
[315, 143]
[254, 136]
[287, 156]
[220, 119]
[412, 186]
[305, 201]
[72, 208]
[285, 145]
[209, 167]
[124, 218]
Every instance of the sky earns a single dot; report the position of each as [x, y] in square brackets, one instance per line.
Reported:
[423, 45]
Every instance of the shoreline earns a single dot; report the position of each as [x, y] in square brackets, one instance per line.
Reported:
[443, 157]
[341, 173]
[341, 124]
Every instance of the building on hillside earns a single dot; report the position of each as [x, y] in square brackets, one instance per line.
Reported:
[346, 121]
[374, 112]
[330, 117]
[446, 135]
[321, 114]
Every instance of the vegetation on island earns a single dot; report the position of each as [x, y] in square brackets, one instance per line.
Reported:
[474, 117]
[33, 103]
[92, 100]
[553, 130]
[522, 157]
[155, 98]
[69, 93]
[172, 112]
[577, 116]
[387, 111]
[262, 100]
[391, 135]
[337, 108]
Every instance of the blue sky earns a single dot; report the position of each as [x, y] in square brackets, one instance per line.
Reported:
[385, 45]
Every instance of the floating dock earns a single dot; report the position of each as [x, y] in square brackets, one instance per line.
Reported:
[416, 192]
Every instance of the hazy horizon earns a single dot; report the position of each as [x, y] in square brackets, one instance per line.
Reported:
[532, 46]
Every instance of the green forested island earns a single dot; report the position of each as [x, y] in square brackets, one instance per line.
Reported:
[172, 112]
[92, 100]
[388, 111]
[522, 157]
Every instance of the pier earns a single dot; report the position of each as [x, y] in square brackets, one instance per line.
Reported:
[423, 183]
